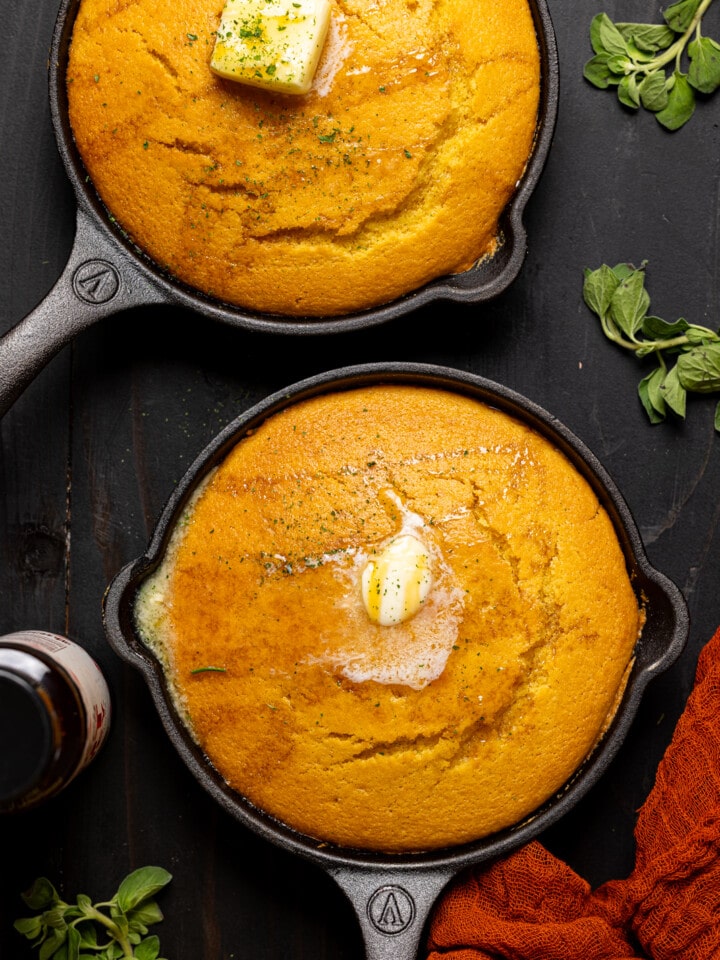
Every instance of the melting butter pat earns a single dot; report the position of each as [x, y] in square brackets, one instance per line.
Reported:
[275, 45]
[396, 581]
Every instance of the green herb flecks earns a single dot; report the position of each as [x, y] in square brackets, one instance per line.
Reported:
[644, 61]
[115, 929]
[619, 298]
[209, 670]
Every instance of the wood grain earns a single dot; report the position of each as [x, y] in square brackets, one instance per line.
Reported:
[93, 448]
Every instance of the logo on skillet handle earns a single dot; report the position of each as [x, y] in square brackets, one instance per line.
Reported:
[391, 909]
[96, 281]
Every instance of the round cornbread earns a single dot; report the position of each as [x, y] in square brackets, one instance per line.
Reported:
[391, 172]
[431, 732]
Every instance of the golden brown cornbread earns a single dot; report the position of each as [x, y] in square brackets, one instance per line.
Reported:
[392, 171]
[441, 729]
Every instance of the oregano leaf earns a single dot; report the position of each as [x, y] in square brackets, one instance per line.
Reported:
[657, 329]
[598, 72]
[148, 949]
[627, 323]
[55, 917]
[699, 368]
[649, 37]
[619, 64]
[609, 38]
[698, 335]
[41, 895]
[88, 934]
[142, 916]
[52, 944]
[141, 884]
[73, 944]
[680, 104]
[652, 400]
[599, 287]
[595, 36]
[56, 939]
[657, 66]
[30, 927]
[680, 15]
[84, 902]
[704, 71]
[674, 393]
[628, 92]
[653, 91]
[623, 270]
[630, 303]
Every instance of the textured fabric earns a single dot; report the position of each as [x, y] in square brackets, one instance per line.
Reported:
[532, 906]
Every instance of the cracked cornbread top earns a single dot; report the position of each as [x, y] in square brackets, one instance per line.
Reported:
[392, 171]
[432, 730]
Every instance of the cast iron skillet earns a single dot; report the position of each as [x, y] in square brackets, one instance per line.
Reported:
[106, 273]
[408, 883]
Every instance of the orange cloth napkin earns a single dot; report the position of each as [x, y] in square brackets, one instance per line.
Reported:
[532, 906]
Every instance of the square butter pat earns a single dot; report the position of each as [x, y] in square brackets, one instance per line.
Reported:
[274, 45]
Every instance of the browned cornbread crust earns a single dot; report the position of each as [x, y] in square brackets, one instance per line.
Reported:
[532, 610]
[392, 171]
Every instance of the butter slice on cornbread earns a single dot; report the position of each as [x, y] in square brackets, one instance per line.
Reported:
[274, 45]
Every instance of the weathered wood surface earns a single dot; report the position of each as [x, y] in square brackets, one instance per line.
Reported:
[95, 445]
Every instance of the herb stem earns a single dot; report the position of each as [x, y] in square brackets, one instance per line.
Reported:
[656, 344]
[125, 918]
[124, 944]
[659, 67]
[674, 51]
[617, 296]
[612, 333]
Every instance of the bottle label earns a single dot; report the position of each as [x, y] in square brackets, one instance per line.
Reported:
[87, 677]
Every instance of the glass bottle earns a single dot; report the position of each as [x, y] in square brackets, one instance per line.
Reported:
[54, 715]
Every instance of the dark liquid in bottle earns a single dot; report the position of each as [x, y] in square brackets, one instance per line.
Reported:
[25, 736]
[44, 721]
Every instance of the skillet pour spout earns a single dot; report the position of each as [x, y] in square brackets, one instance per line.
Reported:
[107, 273]
[392, 894]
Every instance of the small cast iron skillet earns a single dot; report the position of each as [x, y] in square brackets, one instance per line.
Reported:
[392, 894]
[106, 273]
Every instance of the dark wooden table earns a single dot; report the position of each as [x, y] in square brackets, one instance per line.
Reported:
[95, 445]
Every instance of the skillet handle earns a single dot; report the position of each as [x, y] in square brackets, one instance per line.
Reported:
[98, 280]
[392, 905]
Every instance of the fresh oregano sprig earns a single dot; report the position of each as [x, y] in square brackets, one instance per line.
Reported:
[645, 61]
[619, 298]
[115, 929]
